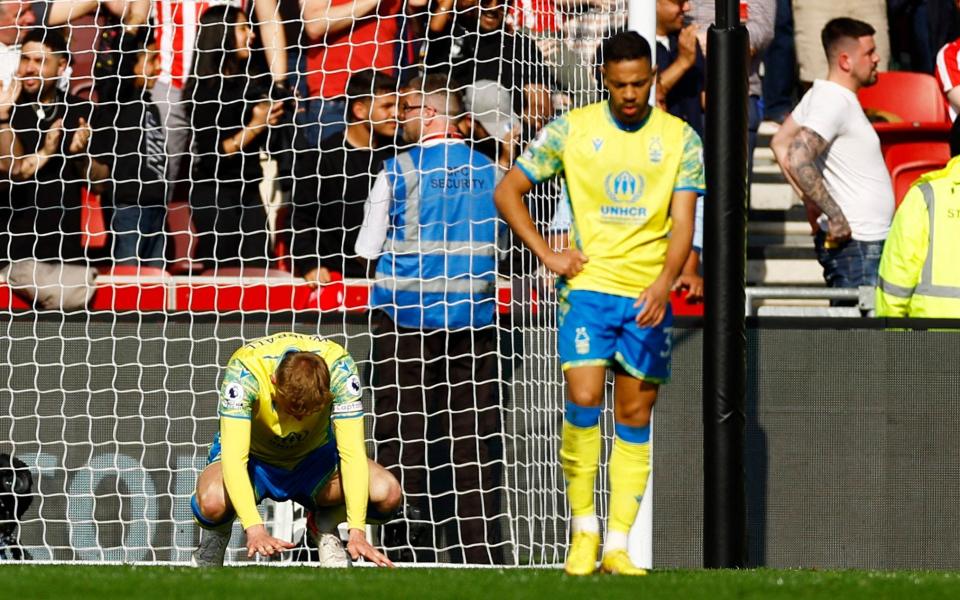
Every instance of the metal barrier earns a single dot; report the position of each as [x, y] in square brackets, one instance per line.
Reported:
[862, 296]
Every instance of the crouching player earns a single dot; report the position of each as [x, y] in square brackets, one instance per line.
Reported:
[291, 428]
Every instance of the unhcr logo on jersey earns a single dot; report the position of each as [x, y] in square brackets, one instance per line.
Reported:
[624, 187]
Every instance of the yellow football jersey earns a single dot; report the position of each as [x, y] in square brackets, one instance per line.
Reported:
[250, 424]
[619, 184]
[247, 393]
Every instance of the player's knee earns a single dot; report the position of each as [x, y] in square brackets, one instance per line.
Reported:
[634, 415]
[385, 491]
[394, 496]
[585, 397]
[211, 506]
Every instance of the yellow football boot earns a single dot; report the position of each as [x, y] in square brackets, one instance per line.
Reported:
[618, 563]
[582, 557]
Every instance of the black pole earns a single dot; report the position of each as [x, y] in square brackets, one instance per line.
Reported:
[724, 330]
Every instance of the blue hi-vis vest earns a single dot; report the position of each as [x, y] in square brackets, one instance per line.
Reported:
[437, 270]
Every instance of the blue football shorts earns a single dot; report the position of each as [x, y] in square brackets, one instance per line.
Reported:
[598, 329]
[299, 484]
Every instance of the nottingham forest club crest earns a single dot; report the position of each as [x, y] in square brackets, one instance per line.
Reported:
[656, 150]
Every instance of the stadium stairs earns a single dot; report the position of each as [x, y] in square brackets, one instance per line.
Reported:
[779, 245]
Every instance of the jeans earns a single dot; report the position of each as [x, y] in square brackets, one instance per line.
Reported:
[851, 265]
[780, 66]
[318, 119]
[138, 235]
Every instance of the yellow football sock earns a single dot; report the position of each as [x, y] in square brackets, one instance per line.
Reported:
[629, 471]
[580, 458]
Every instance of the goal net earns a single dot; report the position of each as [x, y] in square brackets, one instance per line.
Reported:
[178, 187]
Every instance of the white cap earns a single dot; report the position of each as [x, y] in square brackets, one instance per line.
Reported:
[491, 105]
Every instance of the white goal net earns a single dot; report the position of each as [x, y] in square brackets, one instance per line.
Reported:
[176, 184]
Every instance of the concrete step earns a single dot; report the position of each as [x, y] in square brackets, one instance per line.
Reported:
[793, 246]
[784, 271]
[765, 162]
[772, 195]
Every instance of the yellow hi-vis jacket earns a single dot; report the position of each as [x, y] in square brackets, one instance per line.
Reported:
[920, 267]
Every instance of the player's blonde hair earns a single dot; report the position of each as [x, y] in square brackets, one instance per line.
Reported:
[303, 384]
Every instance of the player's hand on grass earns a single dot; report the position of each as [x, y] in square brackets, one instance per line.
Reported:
[653, 304]
[566, 263]
[259, 541]
[357, 546]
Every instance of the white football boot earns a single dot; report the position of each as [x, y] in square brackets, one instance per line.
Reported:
[212, 548]
[331, 551]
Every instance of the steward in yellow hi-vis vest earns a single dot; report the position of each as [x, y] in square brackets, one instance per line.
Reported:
[291, 428]
[920, 267]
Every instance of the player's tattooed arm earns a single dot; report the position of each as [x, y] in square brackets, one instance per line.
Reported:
[802, 156]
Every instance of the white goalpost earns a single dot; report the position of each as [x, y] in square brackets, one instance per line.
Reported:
[111, 401]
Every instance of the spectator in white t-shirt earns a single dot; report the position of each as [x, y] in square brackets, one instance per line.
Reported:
[16, 18]
[830, 153]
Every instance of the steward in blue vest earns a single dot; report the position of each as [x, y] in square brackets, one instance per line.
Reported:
[438, 266]
[431, 224]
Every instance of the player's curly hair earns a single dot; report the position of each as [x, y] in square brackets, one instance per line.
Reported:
[303, 384]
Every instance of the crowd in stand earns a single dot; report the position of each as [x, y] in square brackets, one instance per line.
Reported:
[207, 103]
[272, 121]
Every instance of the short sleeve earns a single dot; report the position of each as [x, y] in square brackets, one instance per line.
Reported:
[238, 392]
[822, 111]
[345, 385]
[543, 158]
[690, 177]
[948, 66]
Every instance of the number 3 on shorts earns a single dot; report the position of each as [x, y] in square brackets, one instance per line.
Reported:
[667, 342]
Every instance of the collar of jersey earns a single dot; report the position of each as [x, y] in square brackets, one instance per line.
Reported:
[284, 354]
[621, 126]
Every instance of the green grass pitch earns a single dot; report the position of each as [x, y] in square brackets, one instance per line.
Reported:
[21, 582]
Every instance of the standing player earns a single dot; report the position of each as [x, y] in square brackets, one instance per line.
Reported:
[291, 428]
[632, 174]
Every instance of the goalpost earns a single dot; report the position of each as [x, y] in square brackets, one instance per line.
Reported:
[113, 406]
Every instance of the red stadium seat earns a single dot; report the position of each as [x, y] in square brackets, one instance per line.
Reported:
[892, 134]
[905, 97]
[906, 162]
